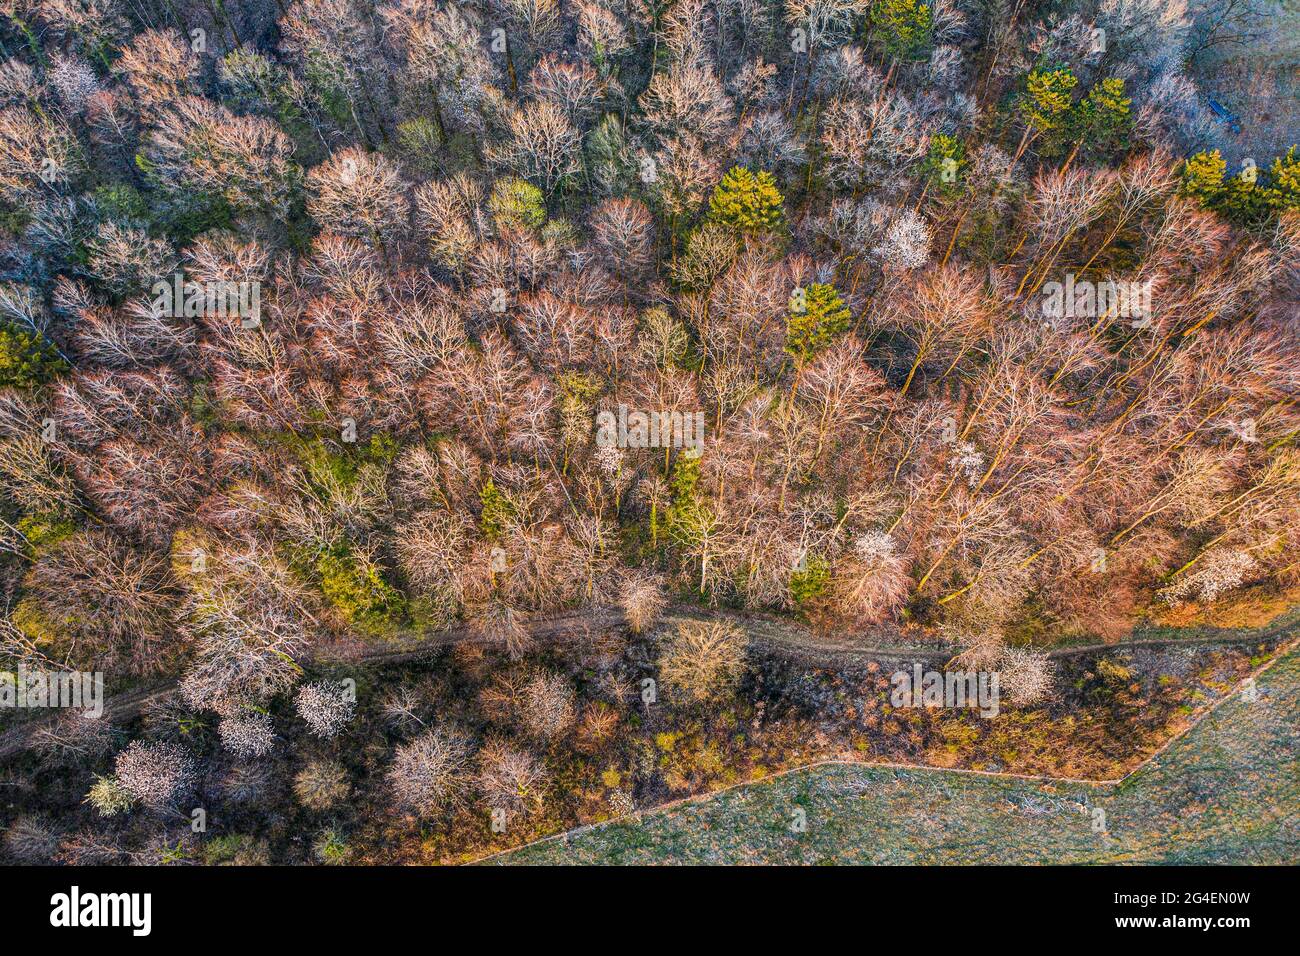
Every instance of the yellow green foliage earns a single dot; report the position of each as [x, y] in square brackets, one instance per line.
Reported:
[1202, 176]
[817, 315]
[43, 531]
[1103, 117]
[1284, 191]
[516, 202]
[357, 590]
[26, 359]
[747, 202]
[944, 161]
[28, 617]
[1046, 100]
[1112, 671]
[1250, 196]
[903, 27]
[809, 581]
[497, 511]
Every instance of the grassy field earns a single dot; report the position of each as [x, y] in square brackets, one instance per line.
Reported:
[1227, 792]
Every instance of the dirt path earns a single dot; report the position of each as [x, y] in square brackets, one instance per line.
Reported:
[129, 705]
[773, 635]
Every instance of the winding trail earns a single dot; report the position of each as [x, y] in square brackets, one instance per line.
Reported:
[772, 634]
[128, 705]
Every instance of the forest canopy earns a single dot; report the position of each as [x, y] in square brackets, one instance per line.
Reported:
[308, 310]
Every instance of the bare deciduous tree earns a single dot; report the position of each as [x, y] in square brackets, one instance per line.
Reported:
[703, 660]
